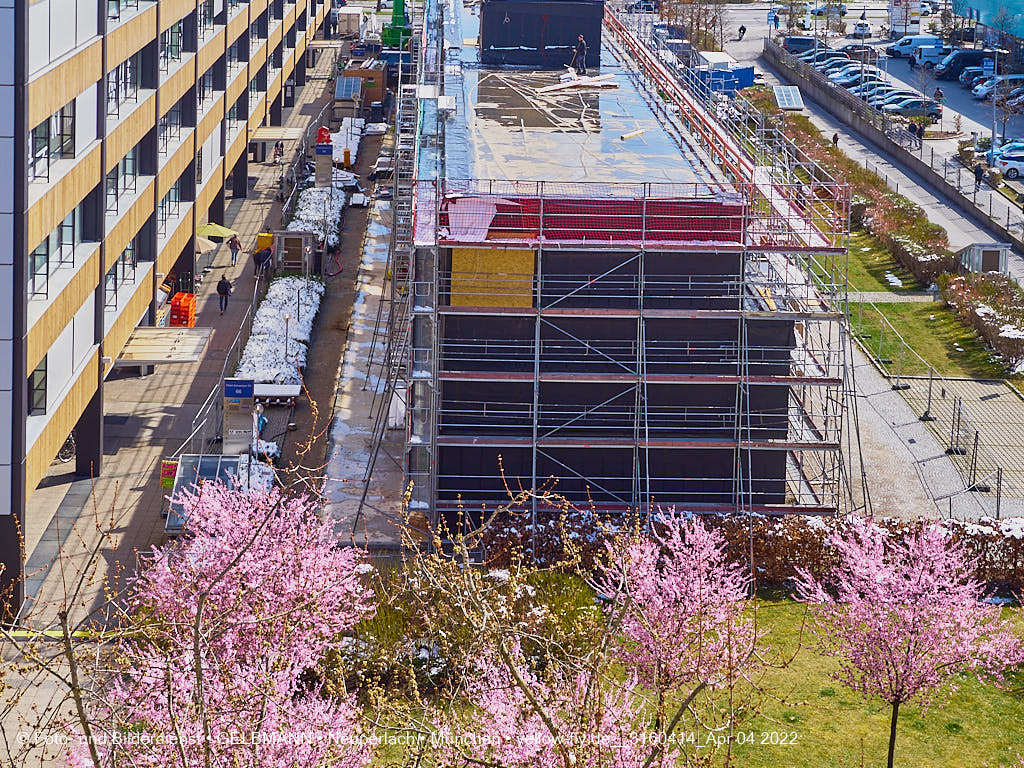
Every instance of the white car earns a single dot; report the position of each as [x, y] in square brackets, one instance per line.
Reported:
[862, 29]
[1011, 164]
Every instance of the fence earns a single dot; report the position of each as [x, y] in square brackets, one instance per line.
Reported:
[987, 456]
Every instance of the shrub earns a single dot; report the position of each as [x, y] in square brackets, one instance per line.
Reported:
[993, 304]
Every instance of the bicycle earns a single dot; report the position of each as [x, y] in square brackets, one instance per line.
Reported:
[67, 451]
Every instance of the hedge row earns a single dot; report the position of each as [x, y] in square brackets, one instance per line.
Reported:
[780, 544]
[993, 304]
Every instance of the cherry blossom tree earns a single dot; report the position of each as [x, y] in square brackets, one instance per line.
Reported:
[907, 619]
[682, 610]
[229, 622]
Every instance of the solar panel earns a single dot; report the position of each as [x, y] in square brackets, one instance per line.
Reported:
[788, 97]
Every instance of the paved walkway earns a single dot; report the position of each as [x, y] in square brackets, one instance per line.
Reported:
[890, 297]
[147, 418]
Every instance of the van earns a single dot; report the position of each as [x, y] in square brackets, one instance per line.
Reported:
[800, 44]
[1004, 83]
[927, 56]
[906, 45]
[958, 60]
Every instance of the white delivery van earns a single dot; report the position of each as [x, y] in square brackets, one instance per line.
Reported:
[927, 56]
[907, 44]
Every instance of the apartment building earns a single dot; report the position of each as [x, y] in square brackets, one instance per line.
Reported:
[125, 125]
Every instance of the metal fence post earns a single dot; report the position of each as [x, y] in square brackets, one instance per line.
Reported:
[927, 415]
[999, 490]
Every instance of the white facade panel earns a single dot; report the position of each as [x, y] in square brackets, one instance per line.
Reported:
[85, 119]
[38, 36]
[6, 110]
[59, 364]
[7, 44]
[6, 314]
[85, 331]
[6, 242]
[87, 19]
[6, 173]
[62, 27]
[6, 415]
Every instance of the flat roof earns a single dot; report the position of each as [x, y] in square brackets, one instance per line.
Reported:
[503, 129]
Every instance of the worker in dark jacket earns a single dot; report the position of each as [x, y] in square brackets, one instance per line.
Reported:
[979, 176]
[579, 56]
[223, 291]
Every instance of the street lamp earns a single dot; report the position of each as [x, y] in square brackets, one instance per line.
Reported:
[287, 317]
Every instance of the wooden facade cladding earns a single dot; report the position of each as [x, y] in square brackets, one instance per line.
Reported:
[258, 58]
[177, 85]
[59, 85]
[205, 196]
[176, 243]
[237, 24]
[62, 307]
[122, 328]
[56, 203]
[175, 165]
[129, 224]
[57, 429]
[130, 130]
[174, 10]
[210, 121]
[128, 38]
[236, 87]
[210, 51]
[236, 148]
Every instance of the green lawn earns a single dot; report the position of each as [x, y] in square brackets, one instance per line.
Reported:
[931, 330]
[870, 261]
[978, 726]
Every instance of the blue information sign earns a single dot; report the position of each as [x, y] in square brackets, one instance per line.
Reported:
[236, 389]
[325, 149]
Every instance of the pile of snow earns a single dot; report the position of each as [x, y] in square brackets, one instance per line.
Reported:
[893, 280]
[348, 138]
[375, 129]
[267, 358]
[318, 210]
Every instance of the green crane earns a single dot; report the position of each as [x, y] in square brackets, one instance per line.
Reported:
[397, 33]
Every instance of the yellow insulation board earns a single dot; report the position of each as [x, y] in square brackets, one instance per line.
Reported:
[492, 277]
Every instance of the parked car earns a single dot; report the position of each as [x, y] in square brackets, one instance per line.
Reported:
[985, 89]
[967, 74]
[814, 58]
[927, 56]
[965, 35]
[861, 52]
[915, 108]
[836, 65]
[799, 43]
[960, 59]
[857, 78]
[871, 88]
[891, 97]
[1012, 147]
[1011, 164]
[862, 29]
[643, 6]
[907, 44]
[977, 80]
[827, 8]
[926, 9]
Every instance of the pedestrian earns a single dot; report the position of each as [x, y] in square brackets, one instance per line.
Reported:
[939, 95]
[778, 21]
[579, 56]
[235, 245]
[742, 31]
[261, 259]
[278, 151]
[223, 291]
[835, 140]
[979, 176]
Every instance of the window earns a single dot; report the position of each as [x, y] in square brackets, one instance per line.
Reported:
[169, 127]
[205, 18]
[52, 139]
[121, 272]
[123, 83]
[170, 46]
[235, 55]
[168, 206]
[114, 7]
[37, 390]
[58, 248]
[204, 89]
[121, 178]
[234, 3]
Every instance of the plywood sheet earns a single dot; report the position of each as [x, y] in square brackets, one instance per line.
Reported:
[492, 277]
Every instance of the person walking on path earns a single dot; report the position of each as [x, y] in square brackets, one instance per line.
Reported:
[835, 140]
[979, 176]
[235, 245]
[778, 21]
[579, 57]
[223, 291]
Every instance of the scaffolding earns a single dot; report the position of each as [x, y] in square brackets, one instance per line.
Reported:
[642, 346]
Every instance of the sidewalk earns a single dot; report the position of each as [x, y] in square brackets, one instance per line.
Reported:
[147, 418]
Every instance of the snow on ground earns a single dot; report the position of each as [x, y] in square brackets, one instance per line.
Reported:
[348, 137]
[892, 280]
[318, 210]
[270, 356]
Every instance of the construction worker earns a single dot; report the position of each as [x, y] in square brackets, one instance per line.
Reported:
[579, 56]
